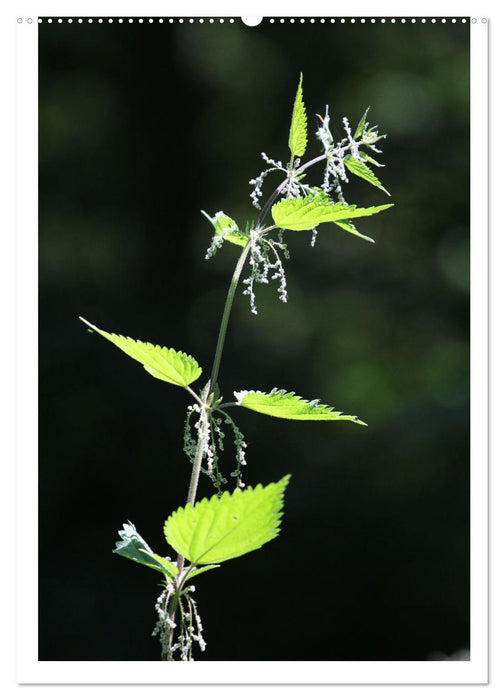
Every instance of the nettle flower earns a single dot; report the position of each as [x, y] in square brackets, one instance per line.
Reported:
[292, 185]
[347, 154]
[265, 262]
[299, 205]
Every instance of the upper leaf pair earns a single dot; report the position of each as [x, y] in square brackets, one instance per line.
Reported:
[181, 369]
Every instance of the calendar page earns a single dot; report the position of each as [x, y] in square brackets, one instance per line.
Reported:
[252, 262]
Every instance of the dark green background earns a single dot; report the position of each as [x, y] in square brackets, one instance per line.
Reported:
[143, 125]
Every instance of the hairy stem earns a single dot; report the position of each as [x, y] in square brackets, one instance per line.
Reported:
[191, 497]
[198, 458]
[225, 316]
[311, 162]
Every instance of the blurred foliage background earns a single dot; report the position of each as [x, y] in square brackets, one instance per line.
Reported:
[143, 125]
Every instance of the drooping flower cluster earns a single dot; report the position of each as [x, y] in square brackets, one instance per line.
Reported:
[224, 227]
[191, 628]
[265, 259]
[337, 154]
[240, 447]
[164, 624]
[292, 187]
[210, 430]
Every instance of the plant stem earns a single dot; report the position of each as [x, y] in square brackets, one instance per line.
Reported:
[198, 458]
[280, 187]
[238, 270]
[225, 317]
[196, 470]
[191, 497]
[200, 447]
[270, 201]
[311, 162]
[204, 406]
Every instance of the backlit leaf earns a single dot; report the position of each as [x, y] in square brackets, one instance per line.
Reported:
[298, 137]
[166, 364]
[360, 127]
[200, 570]
[360, 169]
[281, 404]
[227, 228]
[134, 547]
[350, 227]
[305, 213]
[215, 530]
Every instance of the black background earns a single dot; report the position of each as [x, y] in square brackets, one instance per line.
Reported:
[141, 127]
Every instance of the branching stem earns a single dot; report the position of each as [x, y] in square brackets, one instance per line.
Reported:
[204, 405]
[280, 187]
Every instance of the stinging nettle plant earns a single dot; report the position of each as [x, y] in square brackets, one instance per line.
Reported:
[206, 533]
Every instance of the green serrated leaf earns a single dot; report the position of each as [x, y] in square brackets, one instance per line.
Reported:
[200, 570]
[361, 125]
[371, 136]
[236, 239]
[169, 365]
[281, 404]
[304, 213]
[367, 157]
[357, 167]
[134, 547]
[167, 566]
[227, 227]
[298, 136]
[350, 227]
[215, 530]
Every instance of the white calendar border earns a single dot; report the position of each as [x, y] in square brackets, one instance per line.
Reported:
[30, 670]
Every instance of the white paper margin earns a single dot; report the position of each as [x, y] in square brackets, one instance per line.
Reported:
[30, 670]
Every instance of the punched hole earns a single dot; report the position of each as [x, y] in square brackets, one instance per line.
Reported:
[251, 21]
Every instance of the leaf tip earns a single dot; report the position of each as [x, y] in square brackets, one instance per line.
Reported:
[91, 328]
